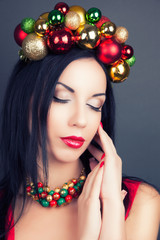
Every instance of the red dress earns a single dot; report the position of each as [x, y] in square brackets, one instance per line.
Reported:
[131, 185]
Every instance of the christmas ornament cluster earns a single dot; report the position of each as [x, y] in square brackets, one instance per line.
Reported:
[62, 28]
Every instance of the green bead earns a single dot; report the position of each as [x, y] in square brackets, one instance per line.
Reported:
[51, 192]
[60, 201]
[76, 187]
[40, 190]
[63, 192]
[55, 17]
[81, 182]
[93, 15]
[27, 25]
[78, 184]
[131, 61]
[44, 203]
[33, 191]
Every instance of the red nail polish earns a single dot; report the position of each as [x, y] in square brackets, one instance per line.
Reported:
[101, 124]
[102, 163]
[103, 156]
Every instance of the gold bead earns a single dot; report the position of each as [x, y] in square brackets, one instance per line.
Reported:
[72, 20]
[119, 71]
[31, 184]
[41, 27]
[46, 189]
[121, 34]
[82, 177]
[108, 29]
[44, 16]
[81, 11]
[65, 186]
[70, 183]
[35, 198]
[49, 198]
[57, 190]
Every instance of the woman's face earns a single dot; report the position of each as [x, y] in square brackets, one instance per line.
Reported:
[75, 111]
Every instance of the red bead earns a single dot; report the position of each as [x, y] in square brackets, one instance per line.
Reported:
[62, 7]
[53, 203]
[68, 198]
[109, 51]
[127, 52]
[76, 195]
[19, 35]
[28, 188]
[39, 195]
[101, 21]
[74, 181]
[71, 190]
[40, 185]
[56, 196]
[43, 194]
[60, 41]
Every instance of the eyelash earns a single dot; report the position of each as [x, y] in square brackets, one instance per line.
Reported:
[65, 101]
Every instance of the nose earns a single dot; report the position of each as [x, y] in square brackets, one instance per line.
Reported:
[78, 117]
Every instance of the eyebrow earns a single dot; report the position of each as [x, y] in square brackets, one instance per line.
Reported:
[71, 90]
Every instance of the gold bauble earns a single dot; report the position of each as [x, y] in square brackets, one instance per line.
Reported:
[49, 198]
[82, 177]
[72, 20]
[108, 29]
[81, 11]
[119, 71]
[65, 186]
[89, 36]
[35, 198]
[44, 16]
[57, 190]
[34, 47]
[70, 184]
[46, 189]
[121, 34]
[41, 27]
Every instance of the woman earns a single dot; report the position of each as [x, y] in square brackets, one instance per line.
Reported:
[51, 130]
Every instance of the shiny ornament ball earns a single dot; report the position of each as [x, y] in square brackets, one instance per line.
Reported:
[60, 41]
[68, 198]
[62, 7]
[55, 17]
[49, 198]
[109, 51]
[53, 203]
[81, 11]
[41, 27]
[27, 25]
[71, 190]
[108, 29]
[65, 186]
[74, 180]
[93, 15]
[72, 20]
[19, 35]
[56, 196]
[61, 201]
[131, 61]
[34, 47]
[57, 190]
[82, 177]
[44, 16]
[70, 183]
[101, 21]
[88, 36]
[63, 192]
[119, 71]
[127, 52]
[121, 34]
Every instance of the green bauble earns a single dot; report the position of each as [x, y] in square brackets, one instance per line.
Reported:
[81, 182]
[76, 187]
[93, 15]
[27, 25]
[55, 17]
[131, 61]
[60, 201]
[51, 192]
[63, 192]
[44, 203]
[40, 190]
[78, 184]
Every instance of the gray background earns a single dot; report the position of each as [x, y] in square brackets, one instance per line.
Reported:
[138, 98]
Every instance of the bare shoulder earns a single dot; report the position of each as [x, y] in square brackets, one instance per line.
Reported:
[144, 218]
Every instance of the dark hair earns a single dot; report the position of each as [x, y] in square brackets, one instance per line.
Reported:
[32, 86]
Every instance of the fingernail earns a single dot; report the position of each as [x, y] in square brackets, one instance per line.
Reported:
[103, 156]
[102, 163]
[101, 124]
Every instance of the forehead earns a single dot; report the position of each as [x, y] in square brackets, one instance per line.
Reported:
[84, 73]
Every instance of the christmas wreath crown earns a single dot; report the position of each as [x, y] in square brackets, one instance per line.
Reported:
[59, 30]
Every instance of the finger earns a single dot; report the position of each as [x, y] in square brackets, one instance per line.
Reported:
[95, 152]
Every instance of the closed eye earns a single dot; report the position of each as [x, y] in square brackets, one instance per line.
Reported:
[60, 100]
[97, 109]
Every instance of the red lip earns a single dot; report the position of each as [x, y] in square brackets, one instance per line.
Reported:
[73, 141]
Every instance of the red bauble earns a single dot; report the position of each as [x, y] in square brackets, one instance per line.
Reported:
[60, 41]
[127, 52]
[53, 203]
[101, 21]
[43, 194]
[71, 191]
[62, 7]
[19, 35]
[74, 181]
[28, 188]
[109, 51]
[40, 185]
[68, 198]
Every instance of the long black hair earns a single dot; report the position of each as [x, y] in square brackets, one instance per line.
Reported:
[31, 88]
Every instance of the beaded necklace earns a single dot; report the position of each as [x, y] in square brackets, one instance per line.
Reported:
[59, 196]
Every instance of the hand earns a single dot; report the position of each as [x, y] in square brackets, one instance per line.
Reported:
[89, 206]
